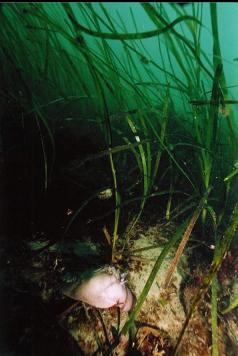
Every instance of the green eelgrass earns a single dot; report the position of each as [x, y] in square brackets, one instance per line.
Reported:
[160, 20]
[123, 204]
[149, 172]
[220, 253]
[152, 277]
[74, 57]
[214, 290]
[214, 302]
[133, 36]
[233, 304]
[231, 175]
[105, 114]
[82, 206]
[110, 75]
[185, 238]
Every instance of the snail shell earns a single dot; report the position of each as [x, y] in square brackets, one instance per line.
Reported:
[103, 290]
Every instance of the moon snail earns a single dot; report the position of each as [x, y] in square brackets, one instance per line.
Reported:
[102, 290]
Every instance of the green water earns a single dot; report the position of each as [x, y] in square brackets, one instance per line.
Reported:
[113, 114]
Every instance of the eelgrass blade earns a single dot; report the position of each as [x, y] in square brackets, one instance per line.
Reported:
[217, 60]
[158, 20]
[217, 261]
[185, 238]
[214, 290]
[152, 195]
[152, 276]
[231, 175]
[233, 304]
[82, 206]
[117, 149]
[134, 36]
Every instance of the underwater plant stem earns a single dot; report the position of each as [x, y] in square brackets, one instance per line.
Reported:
[216, 263]
[117, 206]
[47, 172]
[104, 109]
[217, 57]
[165, 116]
[116, 149]
[152, 277]
[169, 202]
[211, 134]
[214, 317]
[134, 36]
[233, 304]
[157, 18]
[143, 165]
[185, 238]
[217, 60]
[231, 175]
[44, 154]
